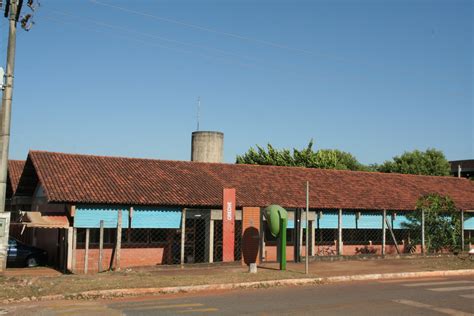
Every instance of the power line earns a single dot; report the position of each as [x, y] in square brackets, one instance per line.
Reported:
[211, 30]
[209, 57]
[154, 36]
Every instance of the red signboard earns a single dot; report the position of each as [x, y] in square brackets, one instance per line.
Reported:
[228, 225]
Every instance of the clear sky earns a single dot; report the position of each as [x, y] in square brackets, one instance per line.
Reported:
[375, 78]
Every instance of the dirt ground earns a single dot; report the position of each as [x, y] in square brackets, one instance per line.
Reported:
[20, 283]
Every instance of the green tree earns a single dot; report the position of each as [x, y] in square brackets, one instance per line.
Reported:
[442, 223]
[307, 157]
[430, 162]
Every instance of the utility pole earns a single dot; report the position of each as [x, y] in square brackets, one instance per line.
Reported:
[12, 12]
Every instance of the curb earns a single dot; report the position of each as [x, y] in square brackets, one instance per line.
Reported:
[103, 294]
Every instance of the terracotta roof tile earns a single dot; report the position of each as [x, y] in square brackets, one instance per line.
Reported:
[15, 168]
[113, 180]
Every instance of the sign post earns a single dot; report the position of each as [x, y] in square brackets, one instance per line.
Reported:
[228, 225]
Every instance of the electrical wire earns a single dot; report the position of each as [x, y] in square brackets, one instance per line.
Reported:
[211, 30]
[148, 43]
[153, 36]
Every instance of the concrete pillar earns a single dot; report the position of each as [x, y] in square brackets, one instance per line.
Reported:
[384, 230]
[462, 230]
[301, 234]
[209, 246]
[470, 245]
[423, 245]
[69, 249]
[262, 239]
[312, 238]
[86, 253]
[74, 250]
[183, 234]
[339, 234]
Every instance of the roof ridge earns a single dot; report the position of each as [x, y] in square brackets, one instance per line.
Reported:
[252, 165]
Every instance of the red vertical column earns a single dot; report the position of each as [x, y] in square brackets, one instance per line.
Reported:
[228, 225]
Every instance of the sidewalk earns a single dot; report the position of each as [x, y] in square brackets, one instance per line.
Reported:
[30, 286]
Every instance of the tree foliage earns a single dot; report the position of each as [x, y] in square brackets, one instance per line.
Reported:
[430, 162]
[307, 157]
[442, 223]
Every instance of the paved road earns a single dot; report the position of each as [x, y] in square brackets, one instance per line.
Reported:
[434, 296]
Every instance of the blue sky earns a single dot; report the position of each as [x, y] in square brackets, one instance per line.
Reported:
[375, 78]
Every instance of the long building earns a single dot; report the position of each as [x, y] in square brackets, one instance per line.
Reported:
[172, 211]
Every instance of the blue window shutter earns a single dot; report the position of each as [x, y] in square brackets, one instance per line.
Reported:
[156, 217]
[469, 221]
[370, 220]
[328, 220]
[89, 216]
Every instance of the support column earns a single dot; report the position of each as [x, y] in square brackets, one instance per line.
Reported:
[118, 243]
[462, 231]
[101, 245]
[312, 238]
[74, 250]
[209, 246]
[301, 232]
[262, 238]
[86, 252]
[384, 235]
[469, 245]
[339, 233]
[69, 249]
[183, 235]
[423, 231]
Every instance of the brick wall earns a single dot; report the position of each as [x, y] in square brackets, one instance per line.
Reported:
[129, 257]
[331, 250]
[271, 252]
[250, 235]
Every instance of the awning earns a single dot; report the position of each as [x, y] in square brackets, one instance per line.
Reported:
[41, 220]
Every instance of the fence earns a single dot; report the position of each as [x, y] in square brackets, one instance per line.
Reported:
[371, 233]
[199, 242]
[150, 237]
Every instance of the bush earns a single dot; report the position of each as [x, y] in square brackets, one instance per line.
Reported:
[442, 223]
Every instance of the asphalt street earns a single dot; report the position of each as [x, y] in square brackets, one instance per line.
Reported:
[433, 296]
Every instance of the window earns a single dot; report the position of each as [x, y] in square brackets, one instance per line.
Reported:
[94, 235]
[160, 235]
[361, 236]
[326, 236]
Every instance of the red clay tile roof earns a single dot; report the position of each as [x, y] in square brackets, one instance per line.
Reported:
[93, 179]
[15, 168]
